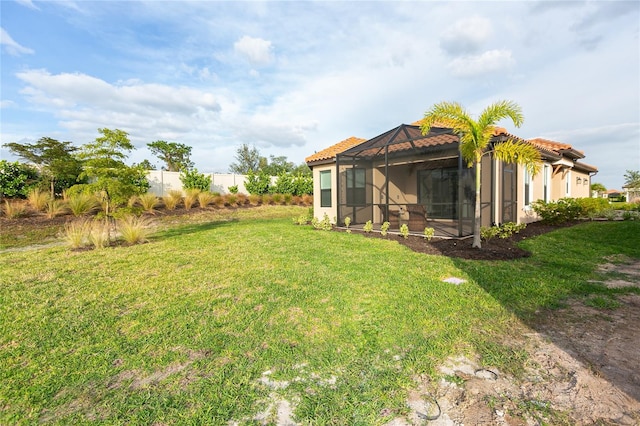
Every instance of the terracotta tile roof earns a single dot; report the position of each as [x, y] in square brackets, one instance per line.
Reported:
[333, 150]
[549, 145]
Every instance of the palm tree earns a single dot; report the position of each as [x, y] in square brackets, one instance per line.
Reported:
[476, 137]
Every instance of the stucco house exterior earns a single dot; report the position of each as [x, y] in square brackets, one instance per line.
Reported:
[402, 176]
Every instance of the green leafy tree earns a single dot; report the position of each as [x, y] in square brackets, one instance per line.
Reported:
[176, 156]
[248, 159]
[277, 165]
[17, 179]
[107, 172]
[192, 179]
[59, 168]
[476, 137]
[598, 188]
[632, 179]
[146, 164]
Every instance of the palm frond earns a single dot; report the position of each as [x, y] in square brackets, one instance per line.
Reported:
[499, 111]
[521, 153]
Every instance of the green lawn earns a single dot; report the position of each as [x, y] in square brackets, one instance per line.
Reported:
[211, 322]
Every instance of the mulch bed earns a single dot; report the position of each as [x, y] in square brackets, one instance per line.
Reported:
[495, 249]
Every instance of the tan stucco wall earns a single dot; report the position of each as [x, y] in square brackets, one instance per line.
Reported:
[318, 211]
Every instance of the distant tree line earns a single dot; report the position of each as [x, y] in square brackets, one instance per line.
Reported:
[99, 167]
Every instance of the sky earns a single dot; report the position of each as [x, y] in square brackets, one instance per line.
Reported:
[292, 78]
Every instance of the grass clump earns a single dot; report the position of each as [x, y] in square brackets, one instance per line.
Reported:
[172, 199]
[14, 209]
[82, 204]
[148, 202]
[38, 199]
[55, 207]
[76, 233]
[190, 198]
[134, 229]
[205, 198]
[100, 233]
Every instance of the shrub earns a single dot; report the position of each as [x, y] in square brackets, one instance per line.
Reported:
[205, 198]
[76, 233]
[555, 212]
[324, 224]
[192, 179]
[347, 221]
[81, 203]
[307, 200]
[233, 189]
[384, 228]
[38, 199]
[429, 233]
[219, 201]
[258, 183]
[134, 229]
[287, 198]
[17, 179]
[404, 231]
[503, 231]
[592, 207]
[368, 227]
[267, 199]
[14, 209]
[55, 208]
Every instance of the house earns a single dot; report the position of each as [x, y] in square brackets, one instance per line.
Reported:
[402, 176]
[631, 194]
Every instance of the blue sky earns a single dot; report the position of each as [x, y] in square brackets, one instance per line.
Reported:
[292, 78]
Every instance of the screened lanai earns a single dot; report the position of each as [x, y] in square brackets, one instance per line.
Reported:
[404, 177]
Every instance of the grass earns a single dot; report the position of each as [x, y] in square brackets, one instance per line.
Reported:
[212, 320]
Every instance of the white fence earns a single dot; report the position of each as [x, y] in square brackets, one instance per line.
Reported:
[162, 182]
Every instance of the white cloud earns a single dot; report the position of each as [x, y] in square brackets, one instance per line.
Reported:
[11, 46]
[484, 63]
[28, 3]
[6, 104]
[467, 36]
[259, 52]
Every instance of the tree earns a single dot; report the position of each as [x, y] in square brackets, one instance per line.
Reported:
[175, 155]
[476, 137]
[16, 179]
[146, 164]
[598, 188]
[247, 160]
[277, 165]
[55, 160]
[108, 174]
[632, 179]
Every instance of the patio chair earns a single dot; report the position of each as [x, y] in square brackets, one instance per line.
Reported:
[417, 217]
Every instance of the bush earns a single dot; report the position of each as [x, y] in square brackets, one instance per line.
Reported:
[192, 179]
[254, 199]
[233, 189]
[503, 231]
[258, 183]
[277, 199]
[404, 231]
[190, 197]
[242, 199]
[368, 227]
[429, 233]
[17, 179]
[555, 212]
[231, 199]
[385, 227]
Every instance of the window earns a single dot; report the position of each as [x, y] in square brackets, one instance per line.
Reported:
[325, 188]
[438, 192]
[528, 188]
[356, 194]
[568, 184]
